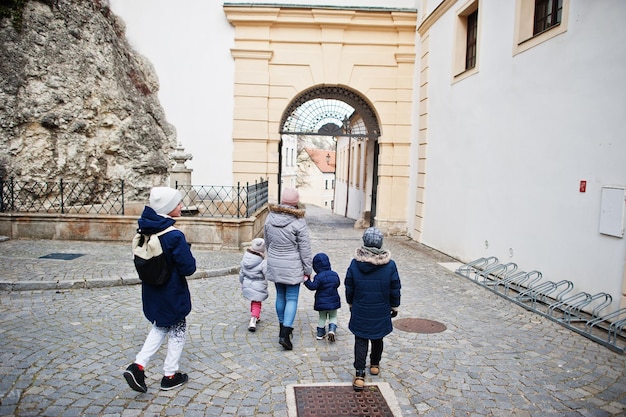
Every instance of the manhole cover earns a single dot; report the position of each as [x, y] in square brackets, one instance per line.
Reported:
[419, 325]
[62, 256]
[333, 401]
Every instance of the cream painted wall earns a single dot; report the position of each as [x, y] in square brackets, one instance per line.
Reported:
[507, 147]
[282, 52]
[411, 4]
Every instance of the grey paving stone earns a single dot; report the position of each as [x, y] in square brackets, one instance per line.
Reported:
[66, 349]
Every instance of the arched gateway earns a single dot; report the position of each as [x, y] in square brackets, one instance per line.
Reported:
[286, 57]
[345, 115]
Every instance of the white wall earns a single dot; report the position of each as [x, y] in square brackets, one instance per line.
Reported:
[507, 147]
[189, 46]
[289, 174]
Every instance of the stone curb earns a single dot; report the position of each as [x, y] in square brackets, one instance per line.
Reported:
[101, 283]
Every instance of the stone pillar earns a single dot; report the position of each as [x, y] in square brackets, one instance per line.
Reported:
[180, 175]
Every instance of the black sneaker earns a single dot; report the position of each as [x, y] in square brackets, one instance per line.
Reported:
[175, 381]
[136, 378]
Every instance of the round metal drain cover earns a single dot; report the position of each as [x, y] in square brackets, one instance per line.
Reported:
[419, 325]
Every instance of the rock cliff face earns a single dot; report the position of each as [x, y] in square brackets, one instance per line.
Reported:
[76, 102]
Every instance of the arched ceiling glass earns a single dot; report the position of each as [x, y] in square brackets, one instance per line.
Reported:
[324, 110]
[319, 116]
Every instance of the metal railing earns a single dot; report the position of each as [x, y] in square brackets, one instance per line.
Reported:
[108, 198]
[61, 197]
[223, 201]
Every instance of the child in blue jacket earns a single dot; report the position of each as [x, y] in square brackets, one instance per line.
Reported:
[373, 294]
[327, 300]
[168, 305]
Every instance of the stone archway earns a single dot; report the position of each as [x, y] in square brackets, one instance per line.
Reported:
[347, 116]
[282, 51]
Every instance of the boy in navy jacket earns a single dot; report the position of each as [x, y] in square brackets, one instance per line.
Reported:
[327, 300]
[373, 294]
[165, 306]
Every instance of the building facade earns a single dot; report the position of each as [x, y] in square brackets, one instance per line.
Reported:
[318, 178]
[480, 127]
[520, 136]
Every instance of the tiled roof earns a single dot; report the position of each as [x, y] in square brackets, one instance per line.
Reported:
[319, 157]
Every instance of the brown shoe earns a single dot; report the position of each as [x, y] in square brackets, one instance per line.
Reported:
[374, 370]
[358, 382]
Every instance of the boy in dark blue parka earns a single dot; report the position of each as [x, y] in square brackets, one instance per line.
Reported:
[165, 306]
[373, 294]
[327, 300]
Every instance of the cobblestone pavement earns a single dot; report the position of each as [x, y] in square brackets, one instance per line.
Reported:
[63, 350]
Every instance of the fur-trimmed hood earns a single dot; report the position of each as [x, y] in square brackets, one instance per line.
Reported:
[371, 260]
[281, 215]
[282, 208]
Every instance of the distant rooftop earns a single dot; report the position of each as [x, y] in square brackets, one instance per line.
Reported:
[323, 159]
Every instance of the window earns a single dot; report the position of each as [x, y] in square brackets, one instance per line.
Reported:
[537, 21]
[326, 184]
[466, 46]
[472, 32]
[547, 14]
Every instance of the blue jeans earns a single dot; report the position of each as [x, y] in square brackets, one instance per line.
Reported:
[287, 303]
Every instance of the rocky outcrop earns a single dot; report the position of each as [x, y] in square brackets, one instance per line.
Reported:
[76, 102]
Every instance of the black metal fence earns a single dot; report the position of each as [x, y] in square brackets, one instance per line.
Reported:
[108, 198]
[223, 201]
[61, 197]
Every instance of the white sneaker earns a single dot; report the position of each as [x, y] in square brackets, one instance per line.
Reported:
[252, 325]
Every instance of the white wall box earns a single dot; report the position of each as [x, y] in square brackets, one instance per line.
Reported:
[612, 209]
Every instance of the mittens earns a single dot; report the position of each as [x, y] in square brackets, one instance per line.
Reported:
[394, 312]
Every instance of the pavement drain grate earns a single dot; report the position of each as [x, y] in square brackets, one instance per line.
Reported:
[419, 325]
[333, 401]
[62, 256]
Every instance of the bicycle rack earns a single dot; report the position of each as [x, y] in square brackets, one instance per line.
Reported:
[495, 273]
[580, 312]
[516, 281]
[571, 309]
[541, 292]
[614, 329]
[469, 270]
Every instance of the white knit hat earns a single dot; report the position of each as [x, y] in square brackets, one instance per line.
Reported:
[258, 245]
[164, 199]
